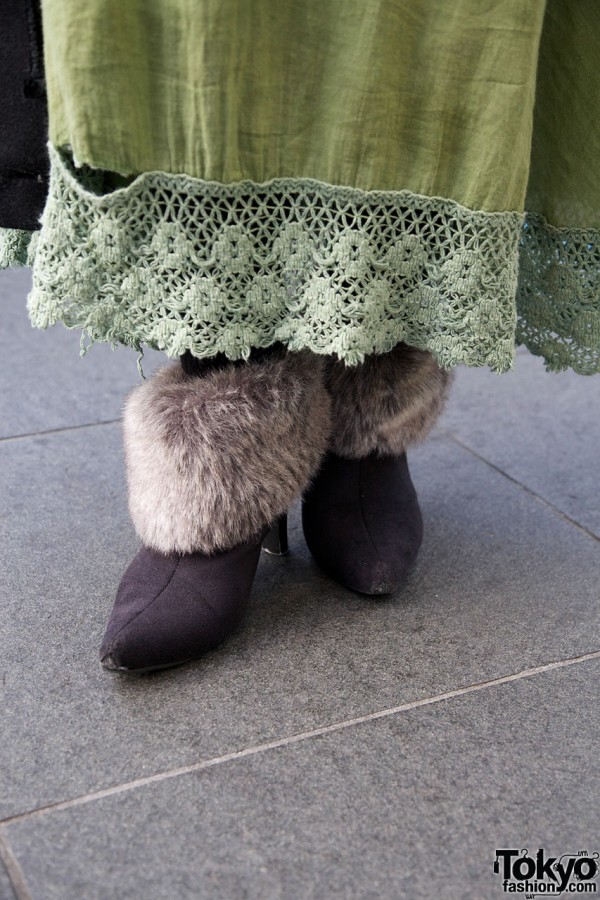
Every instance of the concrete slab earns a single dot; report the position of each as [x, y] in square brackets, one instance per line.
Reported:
[44, 383]
[414, 805]
[502, 584]
[542, 428]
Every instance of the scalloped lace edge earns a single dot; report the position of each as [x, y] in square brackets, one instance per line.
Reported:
[17, 247]
[558, 295]
[179, 264]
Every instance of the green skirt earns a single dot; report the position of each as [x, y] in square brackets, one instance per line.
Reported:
[338, 175]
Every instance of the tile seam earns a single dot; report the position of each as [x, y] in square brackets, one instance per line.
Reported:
[13, 869]
[264, 747]
[538, 497]
[32, 434]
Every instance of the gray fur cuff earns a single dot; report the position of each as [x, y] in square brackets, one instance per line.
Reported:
[385, 404]
[212, 460]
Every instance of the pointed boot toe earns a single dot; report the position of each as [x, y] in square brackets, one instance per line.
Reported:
[171, 609]
[362, 522]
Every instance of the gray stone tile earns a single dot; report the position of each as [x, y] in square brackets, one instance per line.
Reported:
[6, 890]
[542, 428]
[502, 583]
[410, 806]
[44, 383]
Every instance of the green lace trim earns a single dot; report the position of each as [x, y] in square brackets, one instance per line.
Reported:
[179, 264]
[558, 299]
[15, 246]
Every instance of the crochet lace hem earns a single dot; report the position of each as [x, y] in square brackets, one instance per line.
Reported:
[558, 299]
[179, 264]
[15, 247]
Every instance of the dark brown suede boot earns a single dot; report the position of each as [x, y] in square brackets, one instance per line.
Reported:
[362, 522]
[173, 608]
[361, 516]
[213, 458]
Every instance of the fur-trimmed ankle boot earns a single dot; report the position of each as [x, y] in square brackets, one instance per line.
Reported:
[214, 455]
[361, 516]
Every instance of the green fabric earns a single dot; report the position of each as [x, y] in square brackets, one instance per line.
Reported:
[339, 175]
[564, 178]
[434, 97]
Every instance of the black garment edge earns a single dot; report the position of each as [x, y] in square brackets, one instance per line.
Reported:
[192, 365]
[23, 114]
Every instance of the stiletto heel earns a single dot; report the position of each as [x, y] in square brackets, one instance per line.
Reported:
[276, 541]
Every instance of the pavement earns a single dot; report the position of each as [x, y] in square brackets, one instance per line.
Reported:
[336, 746]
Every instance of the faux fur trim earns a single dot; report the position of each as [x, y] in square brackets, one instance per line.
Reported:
[212, 460]
[385, 404]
